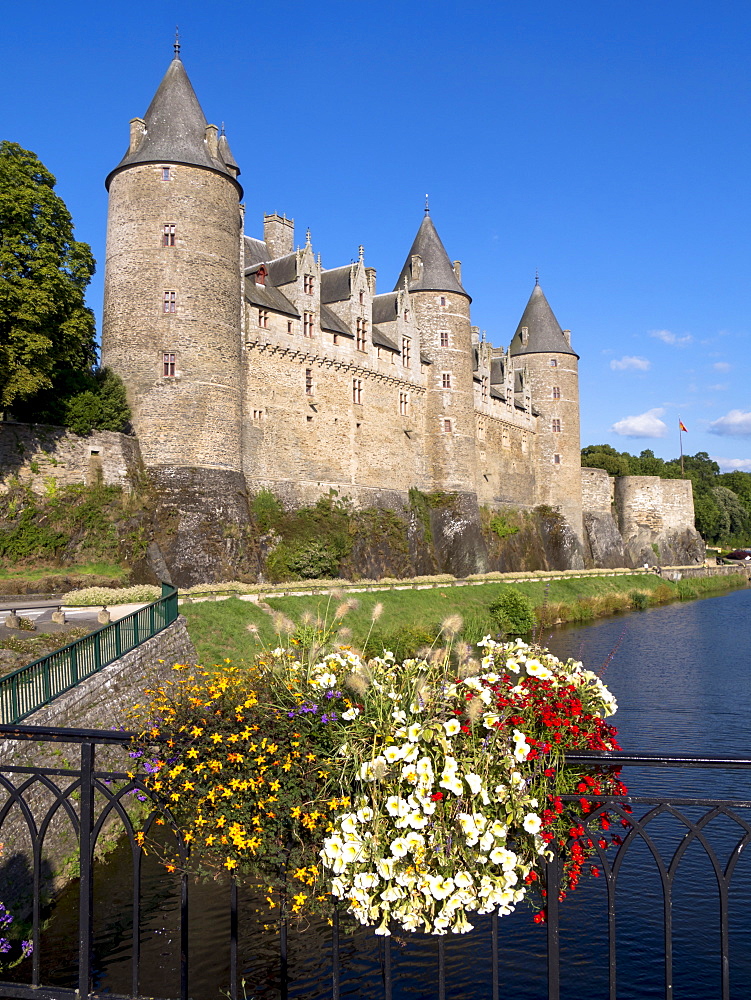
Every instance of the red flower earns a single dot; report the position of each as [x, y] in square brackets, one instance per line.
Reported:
[437, 797]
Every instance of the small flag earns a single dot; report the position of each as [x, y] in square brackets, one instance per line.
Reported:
[682, 426]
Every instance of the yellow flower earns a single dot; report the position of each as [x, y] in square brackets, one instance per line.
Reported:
[301, 874]
[275, 786]
[295, 812]
[230, 863]
[216, 737]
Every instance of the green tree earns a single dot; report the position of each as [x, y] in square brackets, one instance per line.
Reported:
[45, 328]
[103, 407]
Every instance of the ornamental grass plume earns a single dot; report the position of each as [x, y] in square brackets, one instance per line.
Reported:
[452, 626]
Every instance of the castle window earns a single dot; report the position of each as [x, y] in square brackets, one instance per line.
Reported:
[168, 365]
[446, 380]
[362, 298]
[258, 414]
[335, 338]
[404, 403]
[357, 390]
[553, 363]
[361, 329]
[169, 302]
[405, 316]
[308, 381]
[481, 429]
[556, 392]
[446, 426]
[307, 324]
[289, 326]
[443, 301]
[444, 338]
[308, 284]
[485, 388]
[556, 426]
[166, 174]
[556, 459]
[263, 318]
[261, 276]
[168, 234]
[406, 351]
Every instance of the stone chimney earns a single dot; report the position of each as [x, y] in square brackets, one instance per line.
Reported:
[212, 140]
[457, 266]
[567, 335]
[279, 234]
[370, 274]
[137, 132]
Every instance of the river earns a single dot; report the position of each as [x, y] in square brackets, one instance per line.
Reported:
[681, 676]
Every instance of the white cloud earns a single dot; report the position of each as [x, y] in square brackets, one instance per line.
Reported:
[721, 366]
[737, 423]
[733, 464]
[671, 338]
[719, 387]
[629, 363]
[645, 425]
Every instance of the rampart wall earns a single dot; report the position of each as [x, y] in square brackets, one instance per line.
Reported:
[597, 491]
[37, 454]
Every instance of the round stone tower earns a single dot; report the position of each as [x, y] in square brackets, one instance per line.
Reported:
[172, 298]
[542, 352]
[441, 309]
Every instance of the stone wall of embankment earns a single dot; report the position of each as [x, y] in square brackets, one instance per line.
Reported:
[99, 702]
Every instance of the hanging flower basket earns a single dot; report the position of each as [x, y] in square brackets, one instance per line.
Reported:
[417, 793]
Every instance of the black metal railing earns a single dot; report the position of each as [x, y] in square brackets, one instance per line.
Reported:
[30, 687]
[36, 800]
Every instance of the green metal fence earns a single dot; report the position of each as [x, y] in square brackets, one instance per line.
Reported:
[25, 690]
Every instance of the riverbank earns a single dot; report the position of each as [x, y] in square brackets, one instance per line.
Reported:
[411, 613]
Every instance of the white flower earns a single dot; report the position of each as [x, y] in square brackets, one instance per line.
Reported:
[351, 850]
[392, 754]
[490, 720]
[452, 727]
[463, 880]
[351, 714]
[532, 823]
[348, 823]
[396, 806]
[365, 814]
[474, 781]
[399, 847]
[385, 867]
[413, 732]
[414, 841]
[398, 715]
[326, 680]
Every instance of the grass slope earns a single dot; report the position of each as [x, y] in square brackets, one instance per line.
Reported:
[412, 617]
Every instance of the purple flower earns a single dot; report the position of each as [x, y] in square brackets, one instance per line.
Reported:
[26, 948]
[324, 718]
[4, 946]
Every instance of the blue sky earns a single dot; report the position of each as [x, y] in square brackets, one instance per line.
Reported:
[605, 145]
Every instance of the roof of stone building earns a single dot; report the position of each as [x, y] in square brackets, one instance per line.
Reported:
[380, 339]
[545, 335]
[333, 323]
[497, 375]
[336, 284]
[268, 297]
[424, 359]
[256, 251]
[175, 128]
[437, 272]
[385, 307]
[283, 269]
[226, 153]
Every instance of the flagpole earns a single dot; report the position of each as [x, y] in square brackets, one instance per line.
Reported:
[680, 438]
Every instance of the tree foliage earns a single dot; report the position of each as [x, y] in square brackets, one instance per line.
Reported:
[45, 327]
[722, 501]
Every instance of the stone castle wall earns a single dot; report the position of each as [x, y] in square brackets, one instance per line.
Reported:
[654, 504]
[38, 454]
[597, 491]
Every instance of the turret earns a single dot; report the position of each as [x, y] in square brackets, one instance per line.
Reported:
[441, 309]
[542, 348]
[172, 282]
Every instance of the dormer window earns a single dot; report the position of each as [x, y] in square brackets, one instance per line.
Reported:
[524, 336]
[261, 276]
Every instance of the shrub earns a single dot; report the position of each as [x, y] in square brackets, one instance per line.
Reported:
[639, 600]
[501, 527]
[266, 509]
[513, 613]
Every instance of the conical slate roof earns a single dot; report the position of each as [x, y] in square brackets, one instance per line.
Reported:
[544, 333]
[175, 127]
[437, 272]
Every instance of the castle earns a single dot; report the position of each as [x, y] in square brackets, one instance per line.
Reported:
[250, 366]
[245, 355]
